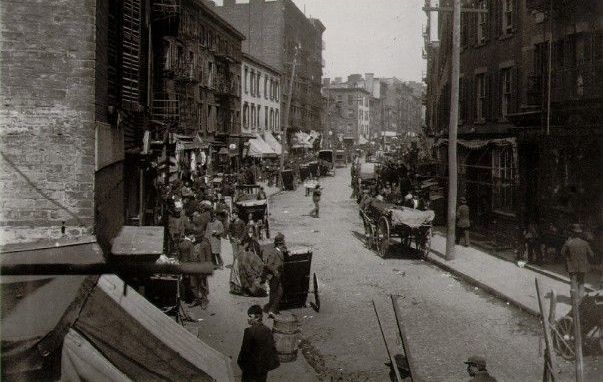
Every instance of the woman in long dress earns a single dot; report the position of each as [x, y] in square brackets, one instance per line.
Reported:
[249, 268]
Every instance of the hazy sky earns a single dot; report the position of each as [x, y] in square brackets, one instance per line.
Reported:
[364, 36]
[370, 36]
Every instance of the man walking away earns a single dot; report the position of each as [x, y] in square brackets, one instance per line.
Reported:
[476, 367]
[274, 258]
[577, 254]
[213, 233]
[462, 222]
[258, 352]
[316, 199]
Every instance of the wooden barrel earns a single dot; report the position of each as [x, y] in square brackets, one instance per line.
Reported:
[286, 333]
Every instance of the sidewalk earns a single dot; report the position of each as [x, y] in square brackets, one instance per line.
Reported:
[501, 278]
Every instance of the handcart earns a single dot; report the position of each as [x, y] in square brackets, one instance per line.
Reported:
[296, 279]
[248, 205]
[591, 323]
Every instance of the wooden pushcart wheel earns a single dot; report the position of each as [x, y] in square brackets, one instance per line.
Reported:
[383, 237]
[563, 338]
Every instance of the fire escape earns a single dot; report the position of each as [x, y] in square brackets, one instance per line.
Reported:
[131, 51]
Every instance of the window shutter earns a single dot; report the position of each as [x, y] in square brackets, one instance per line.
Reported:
[515, 90]
[497, 89]
[497, 13]
[469, 100]
[488, 100]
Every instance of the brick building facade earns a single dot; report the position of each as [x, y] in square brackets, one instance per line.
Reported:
[513, 169]
[55, 138]
[273, 29]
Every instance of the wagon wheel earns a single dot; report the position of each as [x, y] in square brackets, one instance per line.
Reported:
[383, 242]
[368, 235]
[563, 338]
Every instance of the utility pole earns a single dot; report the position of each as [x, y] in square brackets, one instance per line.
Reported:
[452, 130]
[454, 117]
[286, 117]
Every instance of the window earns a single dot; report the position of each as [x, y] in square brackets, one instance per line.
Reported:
[257, 115]
[461, 100]
[361, 115]
[507, 16]
[277, 121]
[265, 116]
[506, 90]
[245, 115]
[210, 74]
[480, 87]
[266, 87]
[350, 99]
[271, 89]
[482, 23]
[276, 90]
[257, 85]
[252, 83]
[503, 173]
[246, 78]
[272, 124]
[253, 116]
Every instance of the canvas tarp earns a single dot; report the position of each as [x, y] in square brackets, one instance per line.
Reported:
[411, 217]
[273, 142]
[474, 144]
[40, 313]
[258, 148]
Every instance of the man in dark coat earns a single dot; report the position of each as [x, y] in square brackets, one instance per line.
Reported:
[258, 353]
[577, 255]
[476, 367]
[274, 259]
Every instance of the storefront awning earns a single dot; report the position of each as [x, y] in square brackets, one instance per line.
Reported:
[362, 140]
[258, 148]
[273, 142]
[474, 144]
[189, 142]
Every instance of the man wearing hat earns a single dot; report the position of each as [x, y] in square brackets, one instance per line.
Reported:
[258, 352]
[463, 222]
[274, 258]
[577, 254]
[476, 367]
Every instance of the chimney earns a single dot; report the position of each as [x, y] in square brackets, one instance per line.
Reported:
[229, 3]
[337, 80]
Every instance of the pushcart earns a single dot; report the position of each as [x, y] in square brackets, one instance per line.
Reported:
[591, 323]
[383, 222]
[296, 279]
[249, 206]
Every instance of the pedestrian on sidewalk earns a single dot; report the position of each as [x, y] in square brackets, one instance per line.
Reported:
[274, 259]
[316, 199]
[463, 222]
[577, 254]
[532, 243]
[258, 353]
[213, 233]
[476, 367]
[192, 251]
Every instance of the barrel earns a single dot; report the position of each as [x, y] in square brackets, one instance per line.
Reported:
[286, 333]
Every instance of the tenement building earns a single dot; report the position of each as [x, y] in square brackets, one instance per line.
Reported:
[279, 34]
[260, 97]
[527, 146]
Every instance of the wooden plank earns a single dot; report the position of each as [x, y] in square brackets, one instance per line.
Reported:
[138, 240]
[403, 338]
[391, 358]
[547, 334]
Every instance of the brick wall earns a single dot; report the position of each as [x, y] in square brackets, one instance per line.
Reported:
[47, 90]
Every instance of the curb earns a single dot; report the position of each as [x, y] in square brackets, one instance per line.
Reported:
[534, 268]
[480, 284]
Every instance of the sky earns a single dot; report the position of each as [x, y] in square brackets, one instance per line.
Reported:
[370, 36]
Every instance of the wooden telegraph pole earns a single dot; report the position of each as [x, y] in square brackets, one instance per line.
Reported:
[454, 117]
[284, 145]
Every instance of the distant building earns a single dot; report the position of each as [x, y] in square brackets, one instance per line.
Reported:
[273, 31]
[352, 112]
[260, 97]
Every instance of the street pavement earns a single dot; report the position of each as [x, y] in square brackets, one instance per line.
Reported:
[446, 318]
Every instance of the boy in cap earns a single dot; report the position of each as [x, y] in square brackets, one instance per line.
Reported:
[476, 367]
[258, 352]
